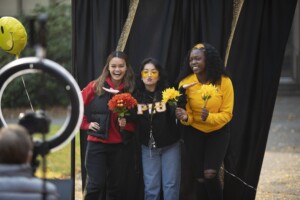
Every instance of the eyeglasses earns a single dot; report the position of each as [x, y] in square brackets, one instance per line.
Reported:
[153, 73]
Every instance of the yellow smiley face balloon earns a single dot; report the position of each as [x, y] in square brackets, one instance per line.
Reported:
[13, 36]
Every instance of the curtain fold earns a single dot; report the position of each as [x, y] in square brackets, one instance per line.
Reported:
[167, 29]
[97, 26]
[255, 63]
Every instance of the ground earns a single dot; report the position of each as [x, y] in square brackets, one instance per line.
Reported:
[280, 174]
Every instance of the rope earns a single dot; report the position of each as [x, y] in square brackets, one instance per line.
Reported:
[239, 179]
[237, 7]
[127, 26]
[27, 94]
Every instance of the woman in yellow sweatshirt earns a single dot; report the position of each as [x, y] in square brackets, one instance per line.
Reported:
[209, 105]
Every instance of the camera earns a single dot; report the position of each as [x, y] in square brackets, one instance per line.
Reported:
[35, 122]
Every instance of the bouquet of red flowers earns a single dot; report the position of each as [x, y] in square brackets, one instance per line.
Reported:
[122, 103]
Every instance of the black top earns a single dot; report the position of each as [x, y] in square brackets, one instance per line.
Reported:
[165, 128]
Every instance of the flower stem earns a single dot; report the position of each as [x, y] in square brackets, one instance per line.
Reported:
[205, 102]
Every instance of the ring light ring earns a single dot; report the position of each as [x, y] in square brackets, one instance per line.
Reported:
[35, 65]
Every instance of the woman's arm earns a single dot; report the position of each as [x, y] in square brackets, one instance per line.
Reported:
[225, 112]
[88, 95]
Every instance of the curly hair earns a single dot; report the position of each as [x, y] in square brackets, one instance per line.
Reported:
[214, 64]
[161, 83]
[128, 78]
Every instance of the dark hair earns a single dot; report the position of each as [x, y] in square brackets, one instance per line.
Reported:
[15, 144]
[214, 65]
[128, 79]
[161, 83]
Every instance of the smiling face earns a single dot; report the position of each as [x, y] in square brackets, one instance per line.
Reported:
[150, 75]
[13, 37]
[117, 69]
[197, 61]
[6, 41]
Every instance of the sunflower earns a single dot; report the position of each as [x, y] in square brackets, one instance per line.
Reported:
[170, 95]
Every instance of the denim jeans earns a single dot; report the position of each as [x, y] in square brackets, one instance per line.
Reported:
[162, 169]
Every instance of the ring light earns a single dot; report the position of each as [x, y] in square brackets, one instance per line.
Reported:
[28, 65]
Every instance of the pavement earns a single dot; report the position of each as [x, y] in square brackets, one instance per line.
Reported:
[280, 174]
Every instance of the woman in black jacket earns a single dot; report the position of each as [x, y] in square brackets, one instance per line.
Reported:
[158, 134]
[109, 154]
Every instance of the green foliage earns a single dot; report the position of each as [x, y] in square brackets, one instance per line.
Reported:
[5, 58]
[43, 89]
[59, 162]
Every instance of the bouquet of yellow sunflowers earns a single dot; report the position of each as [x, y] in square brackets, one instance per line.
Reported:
[170, 96]
[207, 91]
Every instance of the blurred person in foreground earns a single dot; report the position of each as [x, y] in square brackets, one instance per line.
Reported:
[16, 178]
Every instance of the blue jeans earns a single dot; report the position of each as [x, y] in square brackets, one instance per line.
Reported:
[162, 169]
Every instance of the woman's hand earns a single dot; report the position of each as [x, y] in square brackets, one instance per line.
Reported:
[94, 126]
[122, 122]
[204, 114]
[181, 114]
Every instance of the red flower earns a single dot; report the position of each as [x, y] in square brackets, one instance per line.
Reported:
[122, 103]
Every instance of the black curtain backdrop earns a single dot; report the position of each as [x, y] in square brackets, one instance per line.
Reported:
[97, 26]
[167, 29]
[255, 63]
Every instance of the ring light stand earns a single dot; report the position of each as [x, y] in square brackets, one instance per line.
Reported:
[27, 65]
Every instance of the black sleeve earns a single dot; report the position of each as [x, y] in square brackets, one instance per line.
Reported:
[182, 98]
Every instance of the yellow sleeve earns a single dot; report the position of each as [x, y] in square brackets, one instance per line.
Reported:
[225, 113]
